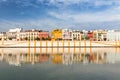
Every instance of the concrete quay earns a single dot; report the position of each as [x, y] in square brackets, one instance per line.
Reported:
[59, 44]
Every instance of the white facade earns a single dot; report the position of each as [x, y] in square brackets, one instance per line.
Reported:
[67, 34]
[3, 35]
[21, 35]
[29, 34]
[12, 33]
[76, 35]
[113, 35]
[103, 37]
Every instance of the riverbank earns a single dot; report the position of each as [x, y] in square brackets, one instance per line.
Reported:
[53, 47]
[60, 44]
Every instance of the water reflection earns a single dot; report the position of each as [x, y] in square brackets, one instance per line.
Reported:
[97, 57]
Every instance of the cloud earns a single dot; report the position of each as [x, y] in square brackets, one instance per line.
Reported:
[67, 17]
[3, 0]
[76, 17]
[49, 25]
[44, 24]
[64, 3]
[93, 2]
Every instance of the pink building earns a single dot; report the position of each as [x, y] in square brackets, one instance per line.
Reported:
[90, 35]
[43, 35]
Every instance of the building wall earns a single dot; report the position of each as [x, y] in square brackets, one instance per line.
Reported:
[104, 36]
[13, 33]
[76, 35]
[67, 34]
[3, 35]
[29, 35]
[99, 35]
[95, 35]
[21, 36]
[44, 34]
[113, 36]
[56, 34]
[91, 35]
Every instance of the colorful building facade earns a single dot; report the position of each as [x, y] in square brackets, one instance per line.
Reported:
[56, 34]
[91, 36]
[44, 35]
[67, 34]
[29, 35]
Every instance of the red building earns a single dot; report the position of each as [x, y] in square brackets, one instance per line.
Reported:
[44, 35]
[91, 35]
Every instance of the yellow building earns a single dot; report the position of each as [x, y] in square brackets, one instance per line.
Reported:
[56, 34]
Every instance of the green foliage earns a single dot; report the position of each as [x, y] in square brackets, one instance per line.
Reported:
[26, 38]
[37, 38]
[43, 38]
[10, 38]
[87, 38]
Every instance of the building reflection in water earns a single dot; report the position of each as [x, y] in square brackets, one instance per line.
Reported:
[60, 58]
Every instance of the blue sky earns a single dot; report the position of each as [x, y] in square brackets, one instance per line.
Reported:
[50, 14]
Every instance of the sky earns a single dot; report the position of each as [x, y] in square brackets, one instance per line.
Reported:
[52, 14]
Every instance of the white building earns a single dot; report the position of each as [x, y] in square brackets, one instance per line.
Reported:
[12, 33]
[113, 35]
[3, 35]
[67, 34]
[29, 35]
[103, 37]
[21, 35]
[76, 35]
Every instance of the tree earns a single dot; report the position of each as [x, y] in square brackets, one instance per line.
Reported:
[46, 38]
[82, 38]
[60, 39]
[10, 38]
[74, 38]
[43, 38]
[26, 38]
[87, 38]
[37, 38]
[49, 38]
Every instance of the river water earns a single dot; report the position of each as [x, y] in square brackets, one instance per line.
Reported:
[31, 64]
